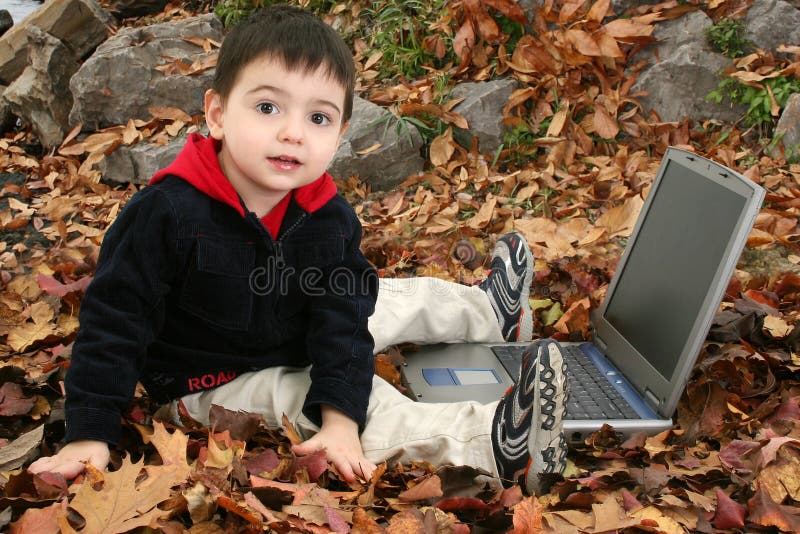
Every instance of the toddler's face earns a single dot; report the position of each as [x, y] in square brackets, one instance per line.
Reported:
[279, 129]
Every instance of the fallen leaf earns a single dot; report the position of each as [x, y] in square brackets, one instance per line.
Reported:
[765, 512]
[730, 514]
[527, 517]
[38, 521]
[13, 401]
[776, 326]
[291, 433]
[442, 148]
[51, 286]
[122, 504]
[429, 488]
[171, 448]
[22, 449]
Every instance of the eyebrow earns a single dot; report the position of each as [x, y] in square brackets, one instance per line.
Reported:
[282, 92]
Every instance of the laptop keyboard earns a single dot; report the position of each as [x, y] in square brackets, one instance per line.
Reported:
[592, 396]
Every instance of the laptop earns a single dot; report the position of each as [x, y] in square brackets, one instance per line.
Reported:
[656, 314]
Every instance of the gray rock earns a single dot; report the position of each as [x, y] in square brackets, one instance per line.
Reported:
[483, 108]
[771, 23]
[80, 24]
[119, 80]
[393, 161]
[678, 86]
[7, 118]
[6, 22]
[40, 94]
[137, 163]
[672, 34]
[787, 131]
[767, 262]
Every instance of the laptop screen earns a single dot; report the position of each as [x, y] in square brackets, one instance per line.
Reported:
[672, 265]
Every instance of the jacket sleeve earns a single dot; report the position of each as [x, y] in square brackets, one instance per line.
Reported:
[121, 313]
[338, 343]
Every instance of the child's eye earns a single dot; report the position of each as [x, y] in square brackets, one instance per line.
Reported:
[320, 119]
[267, 108]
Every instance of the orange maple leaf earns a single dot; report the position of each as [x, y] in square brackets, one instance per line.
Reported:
[122, 504]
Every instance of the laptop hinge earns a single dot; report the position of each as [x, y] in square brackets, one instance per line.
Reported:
[652, 400]
[600, 344]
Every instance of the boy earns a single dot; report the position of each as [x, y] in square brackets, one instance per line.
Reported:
[236, 279]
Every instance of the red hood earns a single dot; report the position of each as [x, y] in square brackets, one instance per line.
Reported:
[197, 163]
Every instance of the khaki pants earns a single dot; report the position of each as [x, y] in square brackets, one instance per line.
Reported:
[418, 310]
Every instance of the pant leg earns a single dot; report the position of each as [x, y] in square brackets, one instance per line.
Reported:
[397, 430]
[427, 310]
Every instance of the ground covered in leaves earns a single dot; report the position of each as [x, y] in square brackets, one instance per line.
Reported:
[572, 179]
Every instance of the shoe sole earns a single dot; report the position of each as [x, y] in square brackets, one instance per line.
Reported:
[547, 445]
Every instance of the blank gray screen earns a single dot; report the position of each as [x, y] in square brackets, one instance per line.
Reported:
[672, 264]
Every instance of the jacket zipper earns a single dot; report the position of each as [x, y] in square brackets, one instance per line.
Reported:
[279, 260]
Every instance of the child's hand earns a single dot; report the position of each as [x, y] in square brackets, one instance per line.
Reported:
[339, 438]
[71, 460]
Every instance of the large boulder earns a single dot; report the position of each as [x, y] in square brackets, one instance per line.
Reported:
[771, 23]
[684, 69]
[376, 148]
[80, 24]
[40, 95]
[120, 81]
[672, 34]
[483, 108]
[678, 85]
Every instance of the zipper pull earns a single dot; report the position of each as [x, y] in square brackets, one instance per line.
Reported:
[280, 263]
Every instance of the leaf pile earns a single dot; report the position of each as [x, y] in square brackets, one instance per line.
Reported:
[572, 176]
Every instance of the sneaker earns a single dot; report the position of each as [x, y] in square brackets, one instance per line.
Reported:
[527, 430]
[508, 286]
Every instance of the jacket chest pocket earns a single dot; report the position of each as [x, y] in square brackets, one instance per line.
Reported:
[310, 261]
[217, 284]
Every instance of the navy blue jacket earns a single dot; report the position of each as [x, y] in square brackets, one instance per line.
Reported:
[190, 292]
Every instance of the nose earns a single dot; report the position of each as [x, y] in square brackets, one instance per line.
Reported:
[291, 131]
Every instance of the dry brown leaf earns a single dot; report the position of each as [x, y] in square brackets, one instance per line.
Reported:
[122, 504]
[776, 326]
[169, 113]
[558, 121]
[583, 42]
[429, 488]
[598, 11]
[38, 520]
[609, 515]
[665, 524]
[528, 517]
[442, 148]
[626, 28]
[369, 149]
[604, 124]
[171, 448]
[620, 220]
[291, 433]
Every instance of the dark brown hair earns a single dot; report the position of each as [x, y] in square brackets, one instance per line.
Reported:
[289, 34]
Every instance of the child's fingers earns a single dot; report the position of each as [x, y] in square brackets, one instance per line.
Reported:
[68, 468]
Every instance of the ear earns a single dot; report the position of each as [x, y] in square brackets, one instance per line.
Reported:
[214, 110]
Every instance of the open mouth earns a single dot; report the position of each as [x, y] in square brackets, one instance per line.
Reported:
[285, 160]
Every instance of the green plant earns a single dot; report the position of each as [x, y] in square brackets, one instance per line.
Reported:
[403, 124]
[728, 37]
[232, 11]
[757, 99]
[398, 28]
